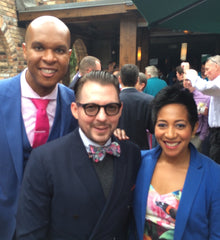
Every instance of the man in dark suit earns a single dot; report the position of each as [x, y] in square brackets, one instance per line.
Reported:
[47, 62]
[136, 113]
[67, 191]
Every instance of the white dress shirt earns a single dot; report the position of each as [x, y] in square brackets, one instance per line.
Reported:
[87, 141]
[211, 88]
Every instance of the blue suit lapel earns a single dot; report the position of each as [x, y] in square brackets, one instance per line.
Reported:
[11, 109]
[63, 108]
[64, 122]
[191, 186]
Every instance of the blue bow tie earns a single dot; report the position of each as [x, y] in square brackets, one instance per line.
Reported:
[98, 153]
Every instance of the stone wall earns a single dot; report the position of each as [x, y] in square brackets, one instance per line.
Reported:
[11, 38]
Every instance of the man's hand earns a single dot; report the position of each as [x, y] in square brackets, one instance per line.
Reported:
[120, 134]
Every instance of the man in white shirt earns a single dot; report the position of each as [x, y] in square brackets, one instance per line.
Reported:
[211, 88]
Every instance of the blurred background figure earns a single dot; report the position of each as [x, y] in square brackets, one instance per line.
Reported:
[112, 67]
[87, 64]
[154, 83]
[202, 101]
[211, 88]
[179, 74]
[142, 82]
[202, 72]
[136, 113]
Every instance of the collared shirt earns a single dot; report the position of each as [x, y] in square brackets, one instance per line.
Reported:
[87, 141]
[126, 88]
[211, 88]
[29, 110]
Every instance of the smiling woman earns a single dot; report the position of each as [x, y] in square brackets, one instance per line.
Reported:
[174, 176]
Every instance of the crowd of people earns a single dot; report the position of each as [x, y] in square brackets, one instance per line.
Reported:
[116, 155]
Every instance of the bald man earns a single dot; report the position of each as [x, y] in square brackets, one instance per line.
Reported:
[86, 65]
[47, 52]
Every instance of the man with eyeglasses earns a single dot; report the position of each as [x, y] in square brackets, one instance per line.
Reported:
[211, 88]
[81, 185]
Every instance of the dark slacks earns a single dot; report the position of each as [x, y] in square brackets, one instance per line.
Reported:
[215, 144]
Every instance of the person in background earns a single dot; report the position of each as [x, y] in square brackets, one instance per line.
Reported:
[86, 65]
[34, 109]
[202, 102]
[81, 186]
[211, 88]
[142, 82]
[177, 190]
[179, 74]
[136, 114]
[112, 67]
[154, 84]
[202, 72]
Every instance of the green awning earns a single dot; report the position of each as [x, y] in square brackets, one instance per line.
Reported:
[192, 15]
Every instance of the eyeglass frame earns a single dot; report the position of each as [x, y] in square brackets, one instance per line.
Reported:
[84, 105]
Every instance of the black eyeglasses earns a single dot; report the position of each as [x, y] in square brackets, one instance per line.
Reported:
[92, 109]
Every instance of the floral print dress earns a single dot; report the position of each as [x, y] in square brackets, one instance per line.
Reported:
[161, 215]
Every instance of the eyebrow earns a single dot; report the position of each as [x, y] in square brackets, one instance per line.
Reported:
[40, 43]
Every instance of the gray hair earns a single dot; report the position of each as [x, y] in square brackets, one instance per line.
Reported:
[142, 78]
[151, 70]
[215, 59]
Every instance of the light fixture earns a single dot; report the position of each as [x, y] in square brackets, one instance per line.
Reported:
[139, 54]
[183, 52]
[186, 31]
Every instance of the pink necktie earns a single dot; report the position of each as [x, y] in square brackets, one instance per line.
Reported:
[42, 123]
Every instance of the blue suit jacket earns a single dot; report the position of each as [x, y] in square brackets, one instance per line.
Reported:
[11, 145]
[198, 215]
[67, 199]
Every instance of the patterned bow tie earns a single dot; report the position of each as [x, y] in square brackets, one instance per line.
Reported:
[98, 153]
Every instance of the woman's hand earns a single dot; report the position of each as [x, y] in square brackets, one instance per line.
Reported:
[120, 134]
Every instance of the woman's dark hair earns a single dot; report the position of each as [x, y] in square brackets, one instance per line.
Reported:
[175, 94]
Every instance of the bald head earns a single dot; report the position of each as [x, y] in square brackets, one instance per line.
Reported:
[47, 52]
[47, 22]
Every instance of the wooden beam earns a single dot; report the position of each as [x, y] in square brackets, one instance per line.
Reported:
[76, 13]
[128, 36]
